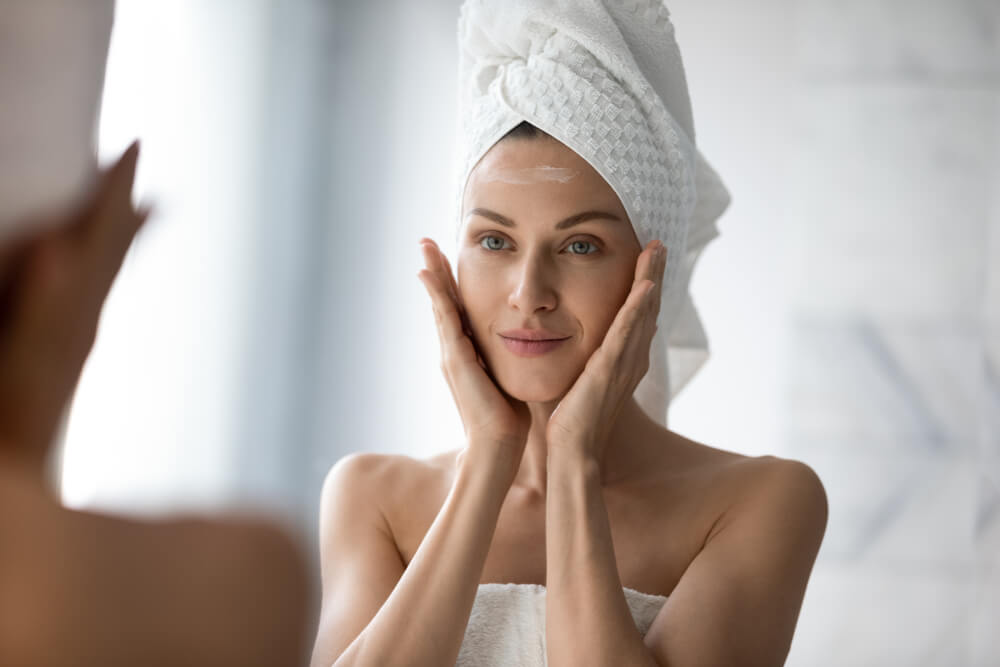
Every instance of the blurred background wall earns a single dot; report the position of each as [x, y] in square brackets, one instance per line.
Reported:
[269, 320]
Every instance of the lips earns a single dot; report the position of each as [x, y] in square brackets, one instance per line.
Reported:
[533, 334]
[531, 348]
[532, 342]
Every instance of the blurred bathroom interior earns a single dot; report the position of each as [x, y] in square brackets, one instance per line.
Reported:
[298, 149]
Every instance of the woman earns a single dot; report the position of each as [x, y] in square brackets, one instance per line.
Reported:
[574, 527]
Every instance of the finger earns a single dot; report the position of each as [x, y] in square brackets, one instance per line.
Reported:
[445, 310]
[653, 271]
[447, 276]
[635, 341]
[646, 263]
[459, 360]
[115, 222]
[443, 266]
[628, 320]
[109, 258]
[115, 190]
[126, 165]
[649, 266]
[452, 281]
[660, 264]
[463, 313]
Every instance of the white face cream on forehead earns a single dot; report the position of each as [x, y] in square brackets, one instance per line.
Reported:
[529, 175]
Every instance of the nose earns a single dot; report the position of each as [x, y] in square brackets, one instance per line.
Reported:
[533, 286]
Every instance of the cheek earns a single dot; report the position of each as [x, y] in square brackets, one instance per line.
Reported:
[477, 287]
[598, 302]
[590, 297]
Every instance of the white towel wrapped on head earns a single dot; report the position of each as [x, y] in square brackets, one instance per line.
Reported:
[605, 78]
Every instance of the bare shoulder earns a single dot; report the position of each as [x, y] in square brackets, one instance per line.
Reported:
[399, 485]
[164, 584]
[748, 474]
[388, 474]
[774, 479]
[770, 491]
[726, 488]
[398, 493]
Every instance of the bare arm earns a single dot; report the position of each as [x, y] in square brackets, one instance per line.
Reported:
[736, 604]
[738, 601]
[588, 618]
[374, 611]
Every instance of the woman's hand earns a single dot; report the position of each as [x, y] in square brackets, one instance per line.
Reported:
[585, 415]
[51, 303]
[490, 416]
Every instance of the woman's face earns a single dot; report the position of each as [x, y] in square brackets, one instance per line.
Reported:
[529, 260]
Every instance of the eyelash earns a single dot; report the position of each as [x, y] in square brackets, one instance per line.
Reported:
[494, 236]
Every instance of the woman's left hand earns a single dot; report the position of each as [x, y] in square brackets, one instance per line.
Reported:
[585, 415]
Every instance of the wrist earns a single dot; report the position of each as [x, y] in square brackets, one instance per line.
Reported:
[577, 457]
[496, 461]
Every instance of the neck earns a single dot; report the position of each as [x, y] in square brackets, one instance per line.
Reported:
[630, 438]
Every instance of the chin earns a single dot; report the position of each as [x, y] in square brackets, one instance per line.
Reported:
[535, 390]
[536, 397]
[541, 380]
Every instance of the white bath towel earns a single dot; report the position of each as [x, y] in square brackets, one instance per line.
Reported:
[52, 61]
[507, 624]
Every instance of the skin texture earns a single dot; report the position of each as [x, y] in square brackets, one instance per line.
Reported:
[81, 588]
[564, 481]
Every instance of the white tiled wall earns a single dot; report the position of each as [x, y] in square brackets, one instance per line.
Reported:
[891, 389]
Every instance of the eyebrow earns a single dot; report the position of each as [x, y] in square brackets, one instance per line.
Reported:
[564, 224]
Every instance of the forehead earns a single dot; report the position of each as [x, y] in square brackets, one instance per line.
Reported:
[545, 168]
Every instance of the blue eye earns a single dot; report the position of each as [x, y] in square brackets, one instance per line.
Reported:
[490, 246]
[496, 243]
[577, 244]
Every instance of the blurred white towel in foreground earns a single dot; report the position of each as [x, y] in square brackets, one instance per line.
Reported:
[507, 624]
[52, 60]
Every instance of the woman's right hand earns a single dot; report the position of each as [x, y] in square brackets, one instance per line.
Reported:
[492, 418]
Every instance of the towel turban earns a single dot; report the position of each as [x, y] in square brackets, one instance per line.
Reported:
[605, 78]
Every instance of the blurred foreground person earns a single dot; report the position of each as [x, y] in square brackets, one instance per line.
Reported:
[81, 588]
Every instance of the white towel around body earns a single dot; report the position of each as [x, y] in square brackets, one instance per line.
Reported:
[507, 624]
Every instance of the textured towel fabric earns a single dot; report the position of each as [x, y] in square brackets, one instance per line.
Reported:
[605, 78]
[52, 61]
[507, 624]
